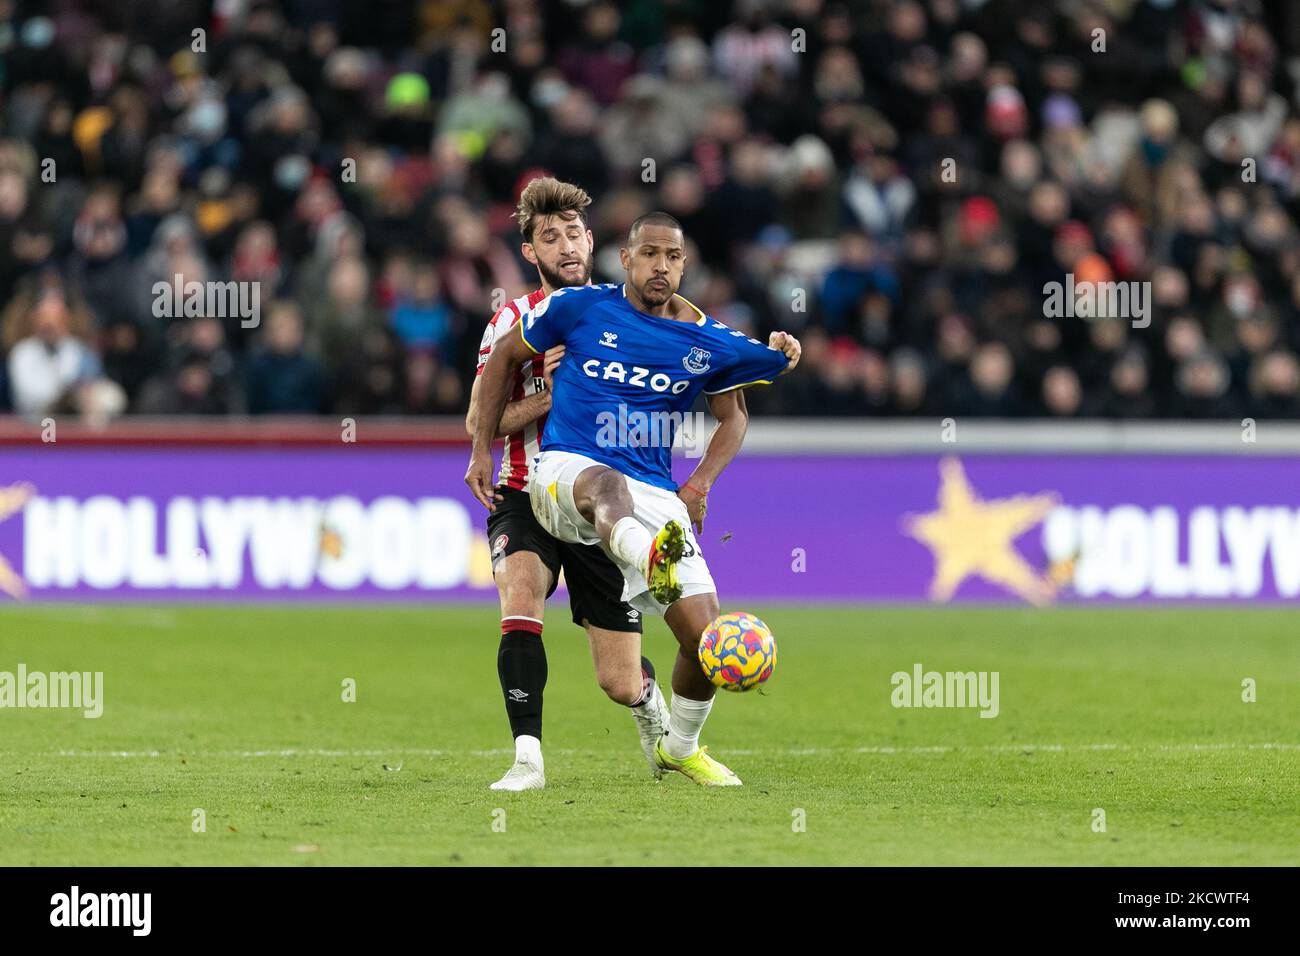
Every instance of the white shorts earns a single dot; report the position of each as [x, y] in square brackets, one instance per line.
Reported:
[550, 489]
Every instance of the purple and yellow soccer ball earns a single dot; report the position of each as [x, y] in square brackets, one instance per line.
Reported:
[738, 651]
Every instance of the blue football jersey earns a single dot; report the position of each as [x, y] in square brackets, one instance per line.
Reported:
[629, 378]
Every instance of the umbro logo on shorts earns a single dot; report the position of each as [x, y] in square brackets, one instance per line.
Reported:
[633, 616]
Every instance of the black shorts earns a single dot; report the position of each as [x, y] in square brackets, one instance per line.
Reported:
[594, 581]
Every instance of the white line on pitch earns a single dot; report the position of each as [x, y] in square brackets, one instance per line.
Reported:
[740, 752]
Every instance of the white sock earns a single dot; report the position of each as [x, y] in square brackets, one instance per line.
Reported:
[684, 724]
[528, 748]
[630, 542]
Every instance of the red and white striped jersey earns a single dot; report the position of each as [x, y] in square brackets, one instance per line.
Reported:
[522, 445]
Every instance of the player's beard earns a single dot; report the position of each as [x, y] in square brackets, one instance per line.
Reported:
[557, 281]
[657, 295]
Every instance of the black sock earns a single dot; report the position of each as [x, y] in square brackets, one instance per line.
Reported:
[647, 682]
[521, 665]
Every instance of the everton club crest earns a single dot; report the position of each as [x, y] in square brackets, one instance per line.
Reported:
[697, 361]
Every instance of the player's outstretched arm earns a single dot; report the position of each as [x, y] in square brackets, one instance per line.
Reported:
[733, 421]
[494, 391]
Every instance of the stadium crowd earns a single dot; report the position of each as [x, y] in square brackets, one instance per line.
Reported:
[893, 180]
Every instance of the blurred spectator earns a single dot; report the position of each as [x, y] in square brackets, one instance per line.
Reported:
[189, 389]
[421, 319]
[282, 378]
[203, 379]
[344, 312]
[130, 356]
[1203, 382]
[1062, 394]
[99, 265]
[598, 60]
[857, 274]
[371, 380]
[643, 126]
[50, 367]
[1275, 386]
[899, 181]
[1127, 392]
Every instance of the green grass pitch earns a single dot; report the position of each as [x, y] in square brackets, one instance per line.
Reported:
[237, 711]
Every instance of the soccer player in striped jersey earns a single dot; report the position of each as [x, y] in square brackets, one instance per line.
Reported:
[526, 561]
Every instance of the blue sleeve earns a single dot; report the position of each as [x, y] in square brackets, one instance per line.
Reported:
[548, 322]
[753, 364]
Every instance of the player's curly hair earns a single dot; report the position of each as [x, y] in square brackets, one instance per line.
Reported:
[547, 196]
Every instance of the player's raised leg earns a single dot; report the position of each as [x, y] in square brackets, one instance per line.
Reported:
[523, 581]
[601, 496]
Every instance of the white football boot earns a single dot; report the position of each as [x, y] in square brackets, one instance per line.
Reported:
[527, 773]
[651, 724]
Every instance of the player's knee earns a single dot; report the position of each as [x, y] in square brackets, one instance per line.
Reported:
[688, 618]
[621, 688]
[610, 490]
[622, 496]
[522, 598]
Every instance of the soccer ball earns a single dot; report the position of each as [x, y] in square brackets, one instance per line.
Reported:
[737, 651]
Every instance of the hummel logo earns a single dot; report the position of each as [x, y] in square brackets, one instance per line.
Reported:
[610, 339]
[518, 696]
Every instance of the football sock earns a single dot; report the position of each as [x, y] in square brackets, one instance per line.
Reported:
[684, 724]
[528, 747]
[647, 685]
[521, 665]
[630, 542]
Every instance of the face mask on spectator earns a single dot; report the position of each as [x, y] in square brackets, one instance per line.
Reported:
[38, 32]
[208, 119]
[291, 172]
[548, 92]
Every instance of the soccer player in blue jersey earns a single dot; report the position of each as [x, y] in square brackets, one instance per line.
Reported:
[637, 353]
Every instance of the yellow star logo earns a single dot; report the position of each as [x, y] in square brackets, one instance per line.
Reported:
[331, 542]
[12, 500]
[970, 536]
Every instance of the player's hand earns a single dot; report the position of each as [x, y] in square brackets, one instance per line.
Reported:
[550, 363]
[696, 506]
[479, 479]
[789, 345]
